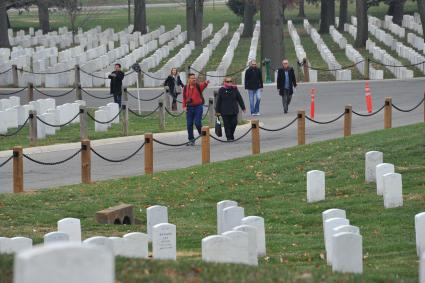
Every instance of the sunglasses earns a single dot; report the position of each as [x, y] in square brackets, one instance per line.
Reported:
[228, 81]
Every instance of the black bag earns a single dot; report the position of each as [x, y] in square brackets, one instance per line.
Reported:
[218, 130]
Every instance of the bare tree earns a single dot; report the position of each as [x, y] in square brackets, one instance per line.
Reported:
[4, 37]
[140, 16]
[396, 9]
[331, 13]
[250, 10]
[324, 17]
[362, 33]
[421, 9]
[343, 14]
[43, 15]
[301, 12]
[194, 20]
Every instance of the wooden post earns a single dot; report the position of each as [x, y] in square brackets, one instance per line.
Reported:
[125, 95]
[77, 82]
[255, 132]
[83, 123]
[30, 92]
[124, 117]
[211, 114]
[18, 170]
[305, 69]
[206, 149]
[366, 68]
[148, 153]
[167, 100]
[33, 127]
[140, 78]
[301, 127]
[347, 120]
[161, 114]
[78, 92]
[15, 76]
[388, 113]
[85, 162]
[423, 103]
[239, 115]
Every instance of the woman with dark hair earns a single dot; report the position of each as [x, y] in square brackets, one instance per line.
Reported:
[173, 85]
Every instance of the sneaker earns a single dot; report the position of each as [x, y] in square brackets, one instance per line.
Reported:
[258, 114]
[191, 143]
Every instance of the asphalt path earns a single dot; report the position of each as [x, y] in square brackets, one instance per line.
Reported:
[331, 98]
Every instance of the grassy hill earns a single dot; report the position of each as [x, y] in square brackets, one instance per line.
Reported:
[271, 185]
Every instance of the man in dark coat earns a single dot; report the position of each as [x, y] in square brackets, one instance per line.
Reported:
[254, 85]
[116, 78]
[286, 84]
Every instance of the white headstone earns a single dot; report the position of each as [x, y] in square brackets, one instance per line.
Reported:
[315, 186]
[332, 213]
[347, 253]
[220, 207]
[20, 244]
[257, 222]
[420, 233]
[164, 241]
[393, 190]
[422, 269]
[239, 246]
[54, 237]
[155, 214]
[330, 224]
[100, 241]
[217, 248]
[252, 242]
[381, 170]
[232, 217]
[6, 246]
[372, 158]
[65, 263]
[72, 227]
[136, 245]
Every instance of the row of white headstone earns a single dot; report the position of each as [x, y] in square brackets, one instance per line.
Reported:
[252, 55]
[413, 23]
[107, 113]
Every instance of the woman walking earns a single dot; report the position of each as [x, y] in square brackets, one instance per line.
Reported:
[228, 101]
[174, 84]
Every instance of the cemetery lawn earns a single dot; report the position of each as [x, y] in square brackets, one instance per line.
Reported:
[270, 185]
[71, 133]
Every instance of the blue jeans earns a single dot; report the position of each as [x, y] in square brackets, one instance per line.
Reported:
[194, 115]
[254, 105]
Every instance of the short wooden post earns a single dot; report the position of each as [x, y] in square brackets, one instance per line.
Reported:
[78, 92]
[77, 82]
[388, 113]
[83, 123]
[124, 117]
[18, 170]
[148, 153]
[30, 91]
[161, 110]
[255, 132]
[140, 78]
[125, 95]
[301, 127]
[366, 68]
[167, 100]
[85, 161]
[15, 76]
[306, 71]
[211, 113]
[239, 115]
[206, 148]
[33, 127]
[347, 120]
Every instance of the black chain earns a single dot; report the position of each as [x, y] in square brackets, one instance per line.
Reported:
[52, 163]
[206, 113]
[6, 161]
[60, 125]
[92, 75]
[141, 115]
[241, 137]
[280, 129]
[4, 72]
[172, 114]
[152, 77]
[326, 122]
[178, 144]
[227, 75]
[17, 131]
[49, 95]
[38, 73]
[106, 122]
[408, 110]
[118, 160]
[15, 92]
[370, 114]
[333, 70]
[396, 66]
[94, 96]
[142, 99]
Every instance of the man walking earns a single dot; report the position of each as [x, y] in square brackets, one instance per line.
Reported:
[116, 78]
[254, 85]
[286, 84]
[193, 103]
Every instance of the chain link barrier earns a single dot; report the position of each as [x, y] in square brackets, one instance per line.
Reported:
[94, 96]
[118, 160]
[280, 129]
[326, 122]
[230, 141]
[408, 110]
[17, 131]
[54, 96]
[176, 145]
[60, 125]
[219, 76]
[369, 114]
[4, 72]
[14, 92]
[106, 122]
[52, 163]
[141, 115]
[143, 99]
[6, 161]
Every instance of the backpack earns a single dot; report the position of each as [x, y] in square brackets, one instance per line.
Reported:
[199, 90]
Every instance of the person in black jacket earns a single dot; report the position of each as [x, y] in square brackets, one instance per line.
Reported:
[174, 85]
[254, 85]
[286, 84]
[116, 78]
[228, 99]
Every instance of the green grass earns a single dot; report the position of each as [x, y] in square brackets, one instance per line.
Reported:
[271, 185]
[71, 133]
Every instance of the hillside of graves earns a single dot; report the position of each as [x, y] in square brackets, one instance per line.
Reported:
[272, 186]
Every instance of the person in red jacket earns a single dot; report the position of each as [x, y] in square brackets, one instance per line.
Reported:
[193, 103]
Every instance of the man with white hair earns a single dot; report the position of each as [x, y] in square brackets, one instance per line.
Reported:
[286, 84]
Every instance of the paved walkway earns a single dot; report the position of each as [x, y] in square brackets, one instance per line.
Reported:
[330, 101]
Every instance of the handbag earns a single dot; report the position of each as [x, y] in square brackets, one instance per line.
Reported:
[218, 130]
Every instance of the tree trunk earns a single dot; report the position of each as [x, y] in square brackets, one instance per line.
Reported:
[272, 32]
[43, 16]
[248, 18]
[4, 36]
[301, 12]
[362, 33]
[129, 11]
[390, 11]
[343, 14]
[324, 17]
[194, 20]
[283, 12]
[140, 16]
[199, 19]
[331, 13]
[190, 20]
[421, 10]
[398, 11]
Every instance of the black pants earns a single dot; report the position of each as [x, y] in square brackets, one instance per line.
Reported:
[230, 123]
[117, 99]
[286, 99]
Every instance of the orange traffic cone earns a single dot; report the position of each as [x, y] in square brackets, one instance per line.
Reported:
[312, 94]
[368, 97]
